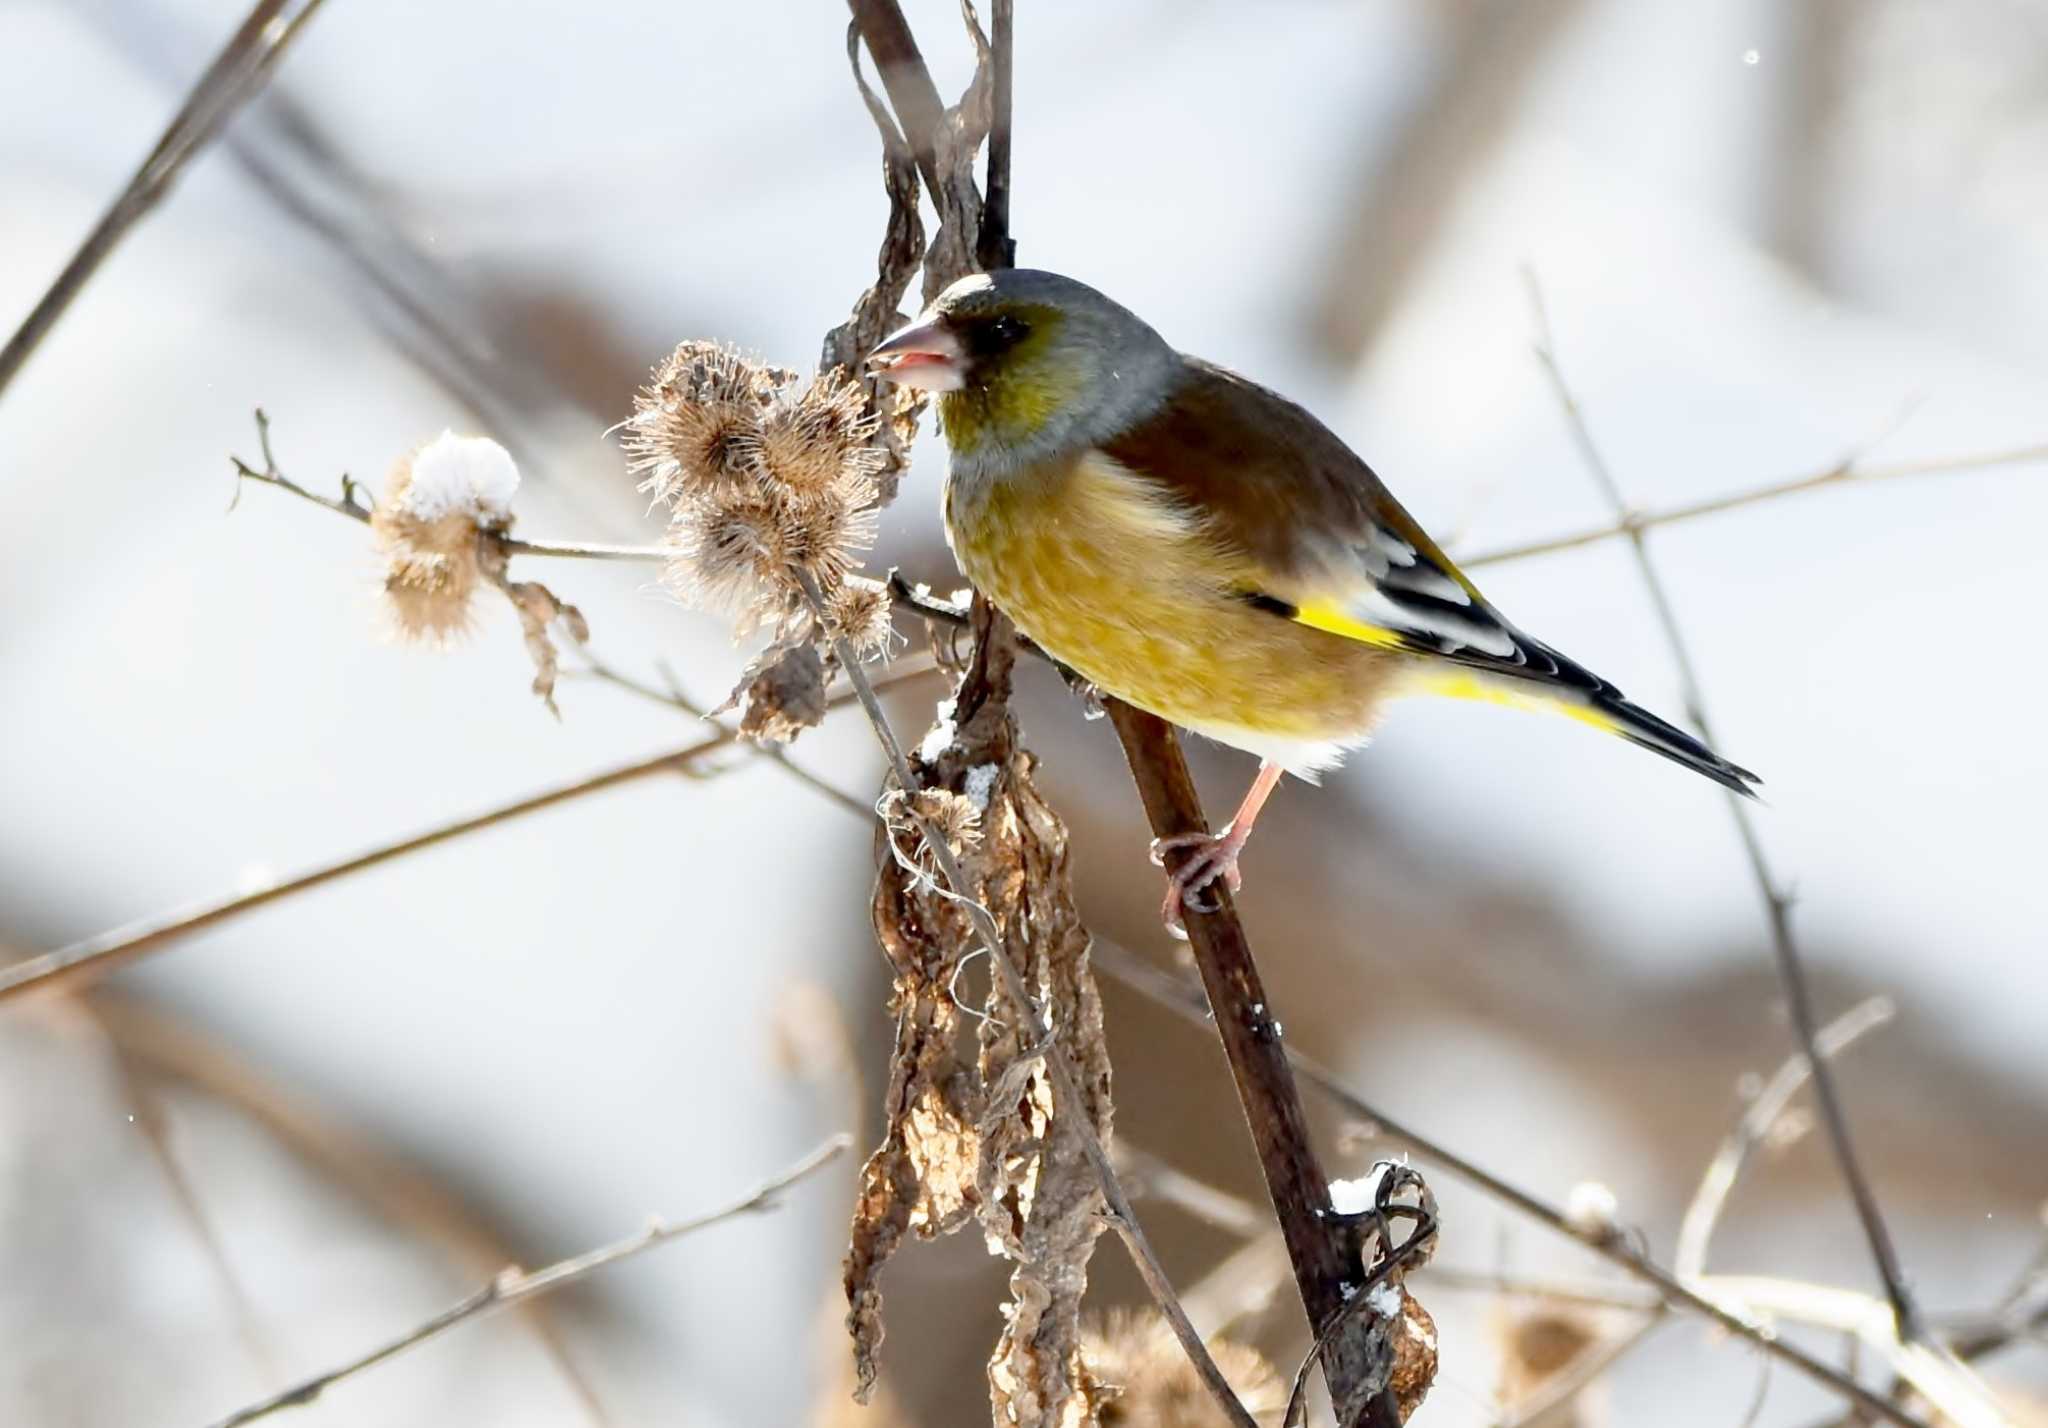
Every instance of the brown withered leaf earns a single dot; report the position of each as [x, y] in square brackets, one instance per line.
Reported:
[537, 607]
[921, 1178]
[781, 692]
[986, 1138]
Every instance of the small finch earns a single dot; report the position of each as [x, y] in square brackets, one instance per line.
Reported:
[1204, 549]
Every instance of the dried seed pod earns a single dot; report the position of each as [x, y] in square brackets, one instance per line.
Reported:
[437, 502]
[862, 611]
[821, 439]
[698, 422]
[1143, 1378]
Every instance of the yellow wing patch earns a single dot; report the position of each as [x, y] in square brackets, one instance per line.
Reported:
[1329, 616]
[1462, 684]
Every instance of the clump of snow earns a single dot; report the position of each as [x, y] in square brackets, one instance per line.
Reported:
[1355, 1197]
[1592, 1211]
[979, 784]
[1384, 1300]
[939, 737]
[461, 475]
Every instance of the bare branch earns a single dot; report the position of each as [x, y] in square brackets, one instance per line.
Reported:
[237, 74]
[1689, 1261]
[1777, 904]
[1328, 1278]
[996, 248]
[1958, 1396]
[97, 956]
[514, 1285]
[1168, 991]
[166, 1049]
[1849, 471]
[348, 505]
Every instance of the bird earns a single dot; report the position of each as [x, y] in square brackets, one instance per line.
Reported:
[1205, 549]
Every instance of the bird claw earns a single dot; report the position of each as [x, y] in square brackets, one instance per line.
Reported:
[1215, 860]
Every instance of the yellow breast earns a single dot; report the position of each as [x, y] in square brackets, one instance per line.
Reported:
[1113, 579]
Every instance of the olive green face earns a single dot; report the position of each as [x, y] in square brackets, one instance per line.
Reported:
[1015, 374]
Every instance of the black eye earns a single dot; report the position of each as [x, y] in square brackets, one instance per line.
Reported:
[1006, 331]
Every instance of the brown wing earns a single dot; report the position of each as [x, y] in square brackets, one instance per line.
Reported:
[1330, 544]
[1328, 547]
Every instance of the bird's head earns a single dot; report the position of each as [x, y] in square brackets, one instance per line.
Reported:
[1029, 364]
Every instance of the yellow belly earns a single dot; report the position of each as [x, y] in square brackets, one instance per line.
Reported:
[1129, 592]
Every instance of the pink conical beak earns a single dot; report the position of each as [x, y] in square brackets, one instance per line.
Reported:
[927, 357]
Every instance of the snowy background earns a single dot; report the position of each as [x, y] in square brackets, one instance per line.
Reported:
[1766, 234]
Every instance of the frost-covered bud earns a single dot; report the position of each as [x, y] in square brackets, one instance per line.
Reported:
[436, 504]
[1593, 1212]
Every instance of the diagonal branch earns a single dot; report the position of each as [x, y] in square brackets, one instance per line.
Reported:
[1170, 992]
[1851, 470]
[1777, 903]
[347, 505]
[96, 956]
[1328, 1279]
[1159, 987]
[514, 1285]
[1696, 1232]
[235, 77]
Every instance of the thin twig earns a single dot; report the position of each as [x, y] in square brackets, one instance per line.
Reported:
[1777, 903]
[1059, 1070]
[97, 956]
[1186, 1001]
[1585, 1295]
[997, 249]
[1159, 987]
[167, 1049]
[1852, 470]
[1328, 1279]
[1958, 1398]
[237, 74]
[513, 1285]
[776, 754]
[148, 1113]
[348, 505]
[1696, 1232]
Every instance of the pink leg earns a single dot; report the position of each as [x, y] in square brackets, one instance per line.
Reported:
[1215, 853]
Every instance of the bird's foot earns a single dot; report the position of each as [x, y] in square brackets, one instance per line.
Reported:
[1214, 860]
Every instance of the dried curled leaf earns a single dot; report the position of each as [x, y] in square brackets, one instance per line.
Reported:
[538, 609]
[988, 1137]
[1415, 1359]
[782, 693]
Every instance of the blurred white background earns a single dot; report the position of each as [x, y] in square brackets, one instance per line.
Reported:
[1767, 235]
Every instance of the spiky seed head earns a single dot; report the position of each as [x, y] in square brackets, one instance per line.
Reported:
[821, 439]
[861, 611]
[727, 550]
[698, 421]
[1144, 1379]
